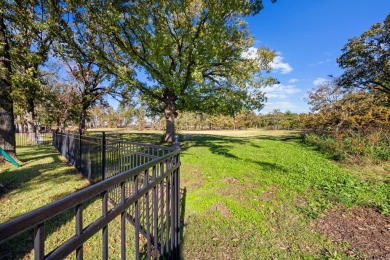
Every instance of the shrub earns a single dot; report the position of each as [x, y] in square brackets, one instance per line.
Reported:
[381, 153]
[352, 145]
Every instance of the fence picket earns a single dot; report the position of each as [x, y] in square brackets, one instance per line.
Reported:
[140, 182]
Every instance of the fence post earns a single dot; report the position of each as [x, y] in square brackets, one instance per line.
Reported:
[175, 243]
[104, 156]
[176, 143]
[80, 154]
[67, 145]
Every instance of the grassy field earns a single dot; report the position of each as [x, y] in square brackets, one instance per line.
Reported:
[260, 195]
[248, 194]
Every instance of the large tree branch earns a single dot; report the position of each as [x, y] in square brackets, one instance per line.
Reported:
[191, 60]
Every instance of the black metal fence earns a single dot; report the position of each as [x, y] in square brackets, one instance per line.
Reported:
[35, 138]
[139, 183]
[99, 157]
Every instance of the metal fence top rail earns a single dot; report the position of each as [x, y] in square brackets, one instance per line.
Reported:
[111, 139]
[15, 226]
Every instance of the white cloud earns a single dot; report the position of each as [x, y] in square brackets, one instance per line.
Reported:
[282, 106]
[277, 64]
[280, 91]
[324, 61]
[321, 62]
[293, 80]
[280, 66]
[319, 81]
[250, 54]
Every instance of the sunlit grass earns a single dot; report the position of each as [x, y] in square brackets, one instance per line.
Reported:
[258, 196]
[250, 194]
[44, 176]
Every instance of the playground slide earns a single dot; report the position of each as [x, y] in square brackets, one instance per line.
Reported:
[9, 158]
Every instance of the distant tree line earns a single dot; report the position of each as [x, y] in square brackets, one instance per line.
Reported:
[138, 118]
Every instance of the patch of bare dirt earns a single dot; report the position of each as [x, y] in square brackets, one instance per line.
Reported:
[230, 179]
[269, 194]
[194, 181]
[222, 209]
[364, 229]
[233, 188]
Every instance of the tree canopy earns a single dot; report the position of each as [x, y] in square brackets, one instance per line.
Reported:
[338, 109]
[24, 46]
[191, 53]
[171, 56]
[366, 59]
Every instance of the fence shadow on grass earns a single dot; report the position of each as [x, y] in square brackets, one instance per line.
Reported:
[13, 179]
[16, 180]
[21, 246]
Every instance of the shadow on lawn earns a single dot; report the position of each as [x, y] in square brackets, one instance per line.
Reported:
[217, 144]
[182, 218]
[13, 179]
[222, 145]
[21, 246]
[149, 138]
[285, 138]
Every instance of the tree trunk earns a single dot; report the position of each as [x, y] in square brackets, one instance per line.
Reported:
[30, 119]
[7, 126]
[82, 122]
[20, 127]
[170, 115]
[30, 125]
[170, 125]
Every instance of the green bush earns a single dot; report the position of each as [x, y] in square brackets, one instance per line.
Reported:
[351, 145]
[381, 153]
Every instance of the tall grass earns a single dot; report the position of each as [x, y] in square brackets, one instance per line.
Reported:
[353, 146]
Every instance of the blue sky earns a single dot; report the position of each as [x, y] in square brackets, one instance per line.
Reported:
[308, 36]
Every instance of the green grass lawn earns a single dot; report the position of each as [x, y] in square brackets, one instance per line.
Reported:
[248, 194]
[43, 177]
[260, 195]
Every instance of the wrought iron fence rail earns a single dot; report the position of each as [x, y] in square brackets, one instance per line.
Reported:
[161, 232]
[110, 155]
[167, 148]
[141, 182]
[35, 138]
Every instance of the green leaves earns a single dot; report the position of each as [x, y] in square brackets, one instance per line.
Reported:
[192, 48]
[366, 59]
